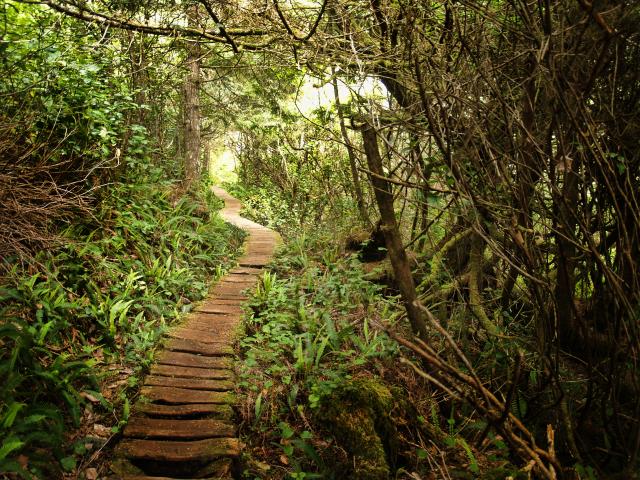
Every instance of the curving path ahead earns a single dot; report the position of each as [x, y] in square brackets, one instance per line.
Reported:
[183, 426]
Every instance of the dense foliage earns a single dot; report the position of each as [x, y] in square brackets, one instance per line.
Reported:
[100, 301]
[505, 155]
[97, 252]
[486, 153]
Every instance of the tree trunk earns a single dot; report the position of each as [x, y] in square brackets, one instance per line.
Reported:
[139, 76]
[422, 208]
[191, 91]
[393, 240]
[206, 158]
[565, 320]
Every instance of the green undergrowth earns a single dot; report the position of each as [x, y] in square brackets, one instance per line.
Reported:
[324, 393]
[80, 323]
[308, 335]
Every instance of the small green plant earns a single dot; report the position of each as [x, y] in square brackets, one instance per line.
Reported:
[585, 473]
[473, 462]
[265, 286]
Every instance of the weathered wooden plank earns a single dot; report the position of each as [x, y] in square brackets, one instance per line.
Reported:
[174, 451]
[192, 346]
[214, 385]
[184, 395]
[179, 429]
[184, 410]
[190, 372]
[184, 359]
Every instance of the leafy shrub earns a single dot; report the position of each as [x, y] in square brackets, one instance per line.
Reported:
[62, 125]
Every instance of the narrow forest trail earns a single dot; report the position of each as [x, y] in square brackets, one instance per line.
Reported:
[183, 426]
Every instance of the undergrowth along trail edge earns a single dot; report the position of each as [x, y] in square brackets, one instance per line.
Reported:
[183, 423]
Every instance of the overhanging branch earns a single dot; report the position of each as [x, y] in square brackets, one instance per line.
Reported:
[288, 28]
[223, 36]
[223, 31]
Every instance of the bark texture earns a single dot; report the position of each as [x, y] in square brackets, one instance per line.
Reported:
[192, 111]
[393, 240]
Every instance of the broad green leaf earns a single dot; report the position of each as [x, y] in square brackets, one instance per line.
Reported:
[9, 445]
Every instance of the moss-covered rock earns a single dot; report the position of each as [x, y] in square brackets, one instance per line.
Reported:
[358, 414]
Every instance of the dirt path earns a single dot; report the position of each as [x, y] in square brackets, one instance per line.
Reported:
[183, 426]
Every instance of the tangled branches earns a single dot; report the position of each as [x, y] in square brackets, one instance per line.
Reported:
[33, 194]
[468, 387]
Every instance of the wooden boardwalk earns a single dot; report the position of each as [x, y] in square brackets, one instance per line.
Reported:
[183, 426]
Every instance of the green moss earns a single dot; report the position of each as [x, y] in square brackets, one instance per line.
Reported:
[359, 416]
